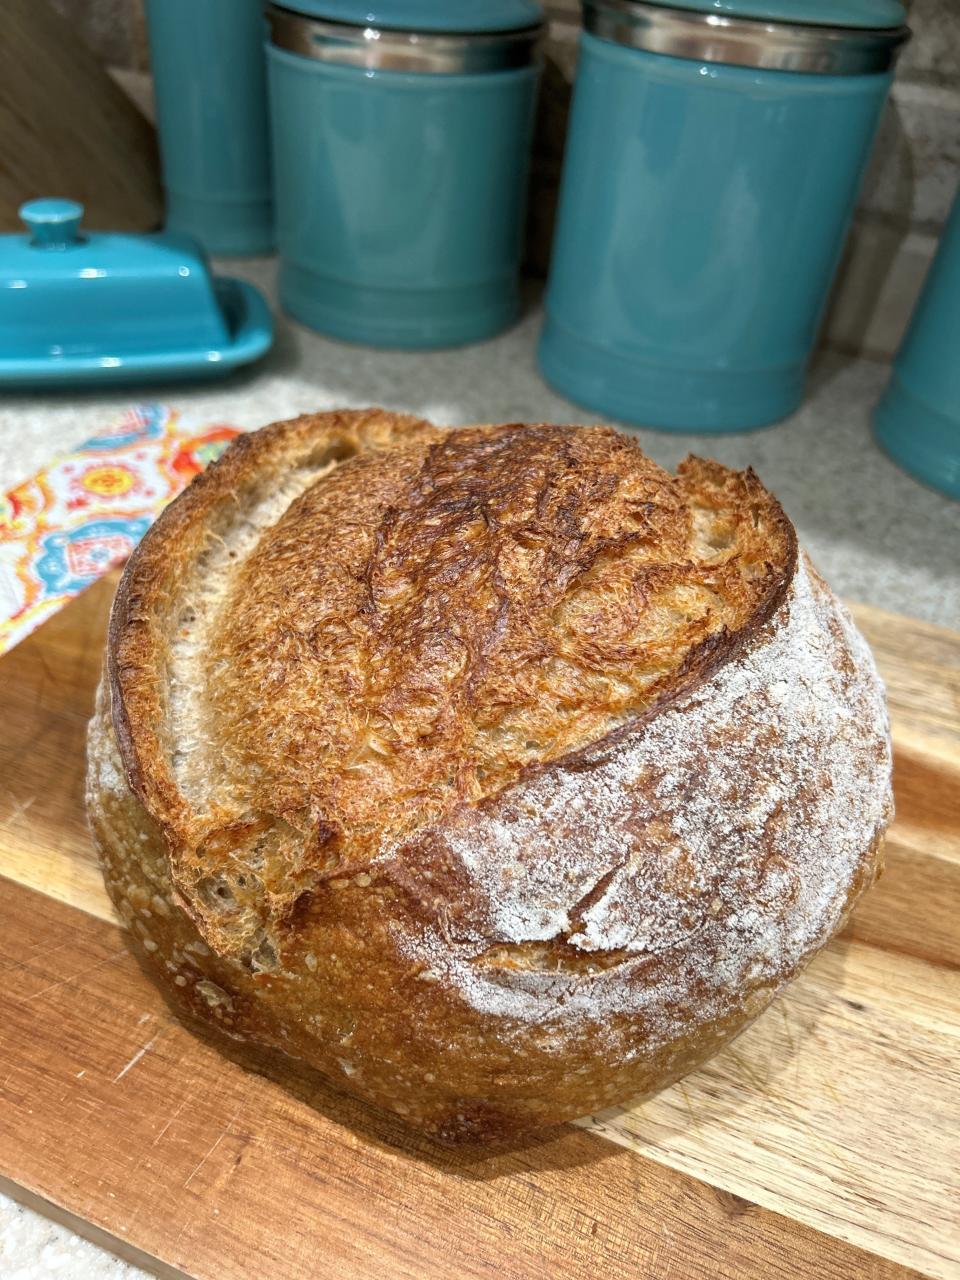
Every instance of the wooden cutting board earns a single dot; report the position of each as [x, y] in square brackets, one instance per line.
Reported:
[823, 1143]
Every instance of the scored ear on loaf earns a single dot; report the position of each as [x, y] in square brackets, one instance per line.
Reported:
[495, 772]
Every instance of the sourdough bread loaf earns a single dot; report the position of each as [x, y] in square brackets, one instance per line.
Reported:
[496, 773]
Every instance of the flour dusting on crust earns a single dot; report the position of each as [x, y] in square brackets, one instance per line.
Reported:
[711, 853]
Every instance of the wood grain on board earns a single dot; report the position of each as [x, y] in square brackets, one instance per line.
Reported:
[822, 1142]
[148, 1130]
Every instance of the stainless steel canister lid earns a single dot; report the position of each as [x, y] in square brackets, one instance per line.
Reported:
[745, 42]
[386, 49]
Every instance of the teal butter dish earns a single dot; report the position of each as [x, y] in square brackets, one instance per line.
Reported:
[79, 306]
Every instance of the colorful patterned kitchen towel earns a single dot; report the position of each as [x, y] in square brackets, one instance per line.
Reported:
[86, 511]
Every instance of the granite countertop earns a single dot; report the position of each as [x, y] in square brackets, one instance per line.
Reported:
[876, 534]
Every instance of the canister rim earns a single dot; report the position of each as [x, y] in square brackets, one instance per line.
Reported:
[394, 49]
[442, 16]
[745, 42]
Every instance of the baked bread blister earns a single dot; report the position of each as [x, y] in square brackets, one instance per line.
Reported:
[496, 773]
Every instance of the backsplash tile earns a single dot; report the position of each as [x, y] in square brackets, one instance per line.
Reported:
[110, 27]
[883, 270]
[933, 53]
[551, 128]
[916, 161]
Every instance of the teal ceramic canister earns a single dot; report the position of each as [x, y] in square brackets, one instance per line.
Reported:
[209, 75]
[713, 162]
[918, 419]
[401, 140]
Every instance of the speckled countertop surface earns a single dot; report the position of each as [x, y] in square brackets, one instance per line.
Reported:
[876, 534]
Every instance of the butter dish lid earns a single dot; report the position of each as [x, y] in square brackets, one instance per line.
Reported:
[424, 15]
[105, 306]
[826, 13]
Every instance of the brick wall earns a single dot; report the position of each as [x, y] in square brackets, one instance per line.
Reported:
[907, 194]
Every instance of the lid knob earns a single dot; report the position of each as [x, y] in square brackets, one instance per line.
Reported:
[54, 223]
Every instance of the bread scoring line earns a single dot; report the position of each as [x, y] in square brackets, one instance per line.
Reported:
[795, 678]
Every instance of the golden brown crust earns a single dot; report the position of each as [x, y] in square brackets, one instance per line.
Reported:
[310, 440]
[404, 731]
